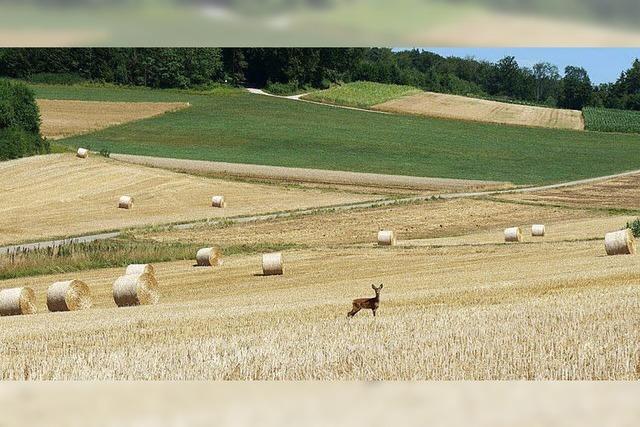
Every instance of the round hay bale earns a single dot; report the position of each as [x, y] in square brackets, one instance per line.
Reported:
[140, 269]
[207, 257]
[69, 296]
[386, 238]
[135, 289]
[83, 153]
[218, 202]
[537, 230]
[620, 243]
[125, 202]
[513, 234]
[16, 301]
[272, 264]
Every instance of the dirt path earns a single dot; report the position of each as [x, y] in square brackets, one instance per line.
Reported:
[299, 98]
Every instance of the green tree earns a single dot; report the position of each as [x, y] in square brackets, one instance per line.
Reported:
[576, 88]
[19, 122]
[547, 79]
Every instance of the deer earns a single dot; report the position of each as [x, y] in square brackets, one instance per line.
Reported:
[366, 303]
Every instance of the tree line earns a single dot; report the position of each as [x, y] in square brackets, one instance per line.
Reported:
[321, 67]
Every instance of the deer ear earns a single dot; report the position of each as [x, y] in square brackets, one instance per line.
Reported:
[374, 287]
[381, 285]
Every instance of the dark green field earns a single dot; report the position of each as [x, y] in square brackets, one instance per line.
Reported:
[235, 126]
[610, 120]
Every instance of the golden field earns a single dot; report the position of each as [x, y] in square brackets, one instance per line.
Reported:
[64, 118]
[63, 195]
[458, 303]
[470, 308]
[464, 108]
[421, 220]
[616, 193]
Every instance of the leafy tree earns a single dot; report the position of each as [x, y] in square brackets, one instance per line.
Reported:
[547, 79]
[19, 122]
[576, 88]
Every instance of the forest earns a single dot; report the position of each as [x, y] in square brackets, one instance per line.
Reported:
[295, 69]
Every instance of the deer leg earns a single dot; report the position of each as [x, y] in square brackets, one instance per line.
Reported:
[374, 312]
[353, 311]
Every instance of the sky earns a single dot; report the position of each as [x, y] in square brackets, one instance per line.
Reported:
[604, 65]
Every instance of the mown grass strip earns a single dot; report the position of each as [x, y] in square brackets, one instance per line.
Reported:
[114, 253]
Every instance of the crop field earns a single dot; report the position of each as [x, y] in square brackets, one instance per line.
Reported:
[64, 118]
[611, 120]
[617, 193]
[63, 195]
[424, 220]
[361, 94]
[464, 108]
[459, 311]
[229, 125]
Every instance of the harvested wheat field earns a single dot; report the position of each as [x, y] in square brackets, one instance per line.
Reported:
[460, 312]
[429, 219]
[464, 108]
[64, 118]
[590, 229]
[62, 195]
[619, 193]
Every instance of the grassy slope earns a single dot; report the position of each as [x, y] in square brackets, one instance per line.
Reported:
[234, 126]
[362, 94]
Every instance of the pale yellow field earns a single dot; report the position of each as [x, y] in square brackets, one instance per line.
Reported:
[465, 108]
[457, 303]
[64, 118]
[414, 221]
[61, 195]
[546, 310]
[623, 192]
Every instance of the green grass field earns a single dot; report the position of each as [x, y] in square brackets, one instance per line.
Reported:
[235, 126]
[610, 120]
[362, 94]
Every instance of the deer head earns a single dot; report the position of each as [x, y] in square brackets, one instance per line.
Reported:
[377, 289]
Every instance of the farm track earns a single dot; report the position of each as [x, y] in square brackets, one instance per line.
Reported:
[285, 214]
[299, 98]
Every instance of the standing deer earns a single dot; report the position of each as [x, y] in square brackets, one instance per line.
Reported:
[366, 303]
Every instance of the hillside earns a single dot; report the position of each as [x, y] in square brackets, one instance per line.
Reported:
[81, 197]
[235, 126]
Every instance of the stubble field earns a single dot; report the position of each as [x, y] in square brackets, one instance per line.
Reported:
[559, 310]
[464, 108]
[62, 195]
[65, 118]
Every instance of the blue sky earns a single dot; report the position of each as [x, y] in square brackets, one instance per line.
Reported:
[603, 64]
